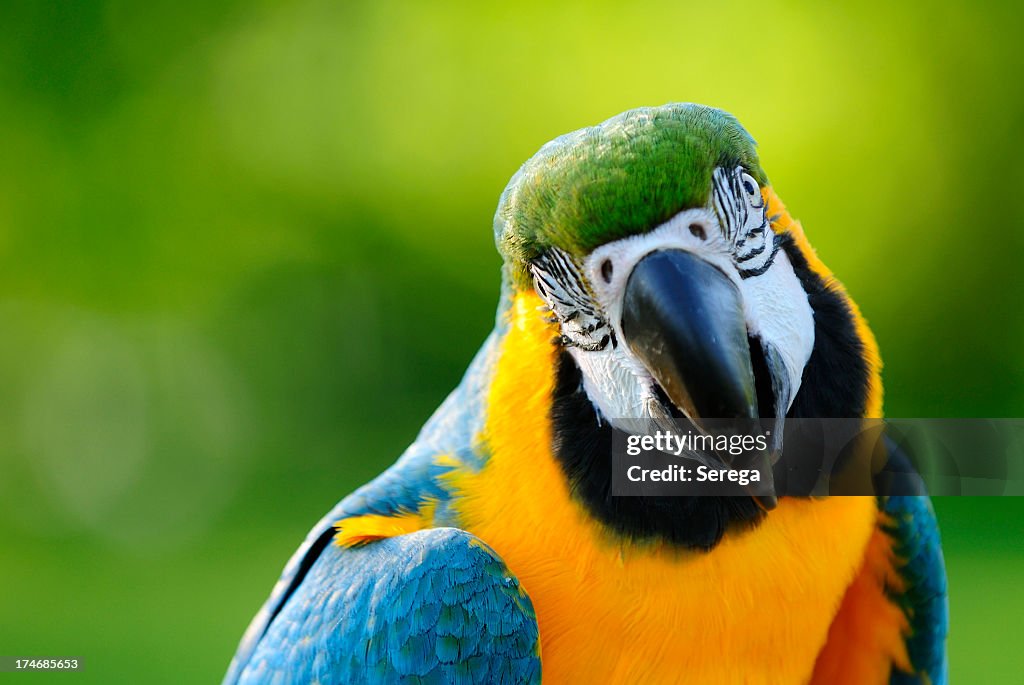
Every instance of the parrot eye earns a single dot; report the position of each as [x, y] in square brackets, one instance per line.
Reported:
[750, 186]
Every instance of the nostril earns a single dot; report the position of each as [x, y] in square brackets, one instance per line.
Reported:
[607, 270]
[698, 231]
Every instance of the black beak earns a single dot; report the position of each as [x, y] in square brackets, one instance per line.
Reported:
[684, 319]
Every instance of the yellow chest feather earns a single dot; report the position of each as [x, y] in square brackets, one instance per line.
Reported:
[755, 609]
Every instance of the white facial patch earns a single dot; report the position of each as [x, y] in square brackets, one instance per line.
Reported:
[777, 312]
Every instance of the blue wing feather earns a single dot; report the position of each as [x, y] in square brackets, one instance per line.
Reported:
[916, 536]
[433, 606]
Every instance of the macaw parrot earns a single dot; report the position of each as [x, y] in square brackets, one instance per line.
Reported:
[493, 550]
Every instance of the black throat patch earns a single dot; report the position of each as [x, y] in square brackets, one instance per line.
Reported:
[583, 448]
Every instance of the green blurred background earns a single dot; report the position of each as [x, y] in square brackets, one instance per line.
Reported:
[245, 250]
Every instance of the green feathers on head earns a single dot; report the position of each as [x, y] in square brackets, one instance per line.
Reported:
[622, 177]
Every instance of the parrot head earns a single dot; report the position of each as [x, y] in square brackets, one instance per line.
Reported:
[677, 286]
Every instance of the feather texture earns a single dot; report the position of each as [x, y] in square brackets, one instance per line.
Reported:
[435, 606]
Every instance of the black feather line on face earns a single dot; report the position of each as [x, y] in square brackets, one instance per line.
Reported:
[748, 273]
[558, 281]
[734, 211]
[756, 252]
[583, 448]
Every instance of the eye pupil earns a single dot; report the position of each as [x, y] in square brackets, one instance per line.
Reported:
[698, 231]
[749, 187]
[606, 270]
